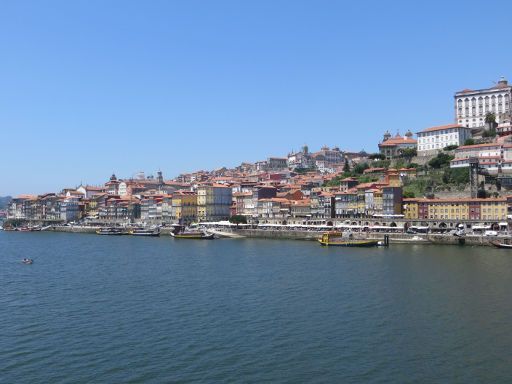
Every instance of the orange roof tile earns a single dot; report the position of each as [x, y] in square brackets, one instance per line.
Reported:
[441, 127]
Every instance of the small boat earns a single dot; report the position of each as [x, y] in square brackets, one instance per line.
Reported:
[29, 229]
[111, 231]
[189, 234]
[497, 244]
[27, 261]
[340, 239]
[145, 232]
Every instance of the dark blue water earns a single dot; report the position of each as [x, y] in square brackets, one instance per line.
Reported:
[144, 310]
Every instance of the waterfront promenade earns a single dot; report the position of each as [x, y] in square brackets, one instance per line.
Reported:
[312, 234]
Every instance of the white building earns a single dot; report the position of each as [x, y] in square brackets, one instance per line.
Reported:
[471, 106]
[491, 156]
[434, 139]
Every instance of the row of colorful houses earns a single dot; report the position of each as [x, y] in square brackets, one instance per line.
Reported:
[492, 209]
[206, 203]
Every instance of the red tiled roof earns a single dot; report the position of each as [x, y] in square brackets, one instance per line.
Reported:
[479, 146]
[441, 127]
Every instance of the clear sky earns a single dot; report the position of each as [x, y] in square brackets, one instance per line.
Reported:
[91, 87]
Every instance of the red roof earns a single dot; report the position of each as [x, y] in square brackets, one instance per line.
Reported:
[441, 127]
[479, 146]
[396, 141]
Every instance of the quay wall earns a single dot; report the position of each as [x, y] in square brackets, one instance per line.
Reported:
[89, 229]
[394, 238]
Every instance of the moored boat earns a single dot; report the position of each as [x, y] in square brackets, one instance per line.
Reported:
[111, 231]
[497, 244]
[145, 232]
[190, 234]
[340, 239]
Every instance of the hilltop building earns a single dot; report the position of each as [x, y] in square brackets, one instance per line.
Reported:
[391, 147]
[471, 106]
[434, 139]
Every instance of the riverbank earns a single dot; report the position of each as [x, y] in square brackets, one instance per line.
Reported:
[394, 238]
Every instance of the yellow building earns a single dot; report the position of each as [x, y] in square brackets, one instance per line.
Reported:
[494, 209]
[410, 209]
[361, 203]
[449, 210]
[214, 202]
[184, 206]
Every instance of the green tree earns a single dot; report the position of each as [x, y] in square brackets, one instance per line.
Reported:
[367, 179]
[489, 133]
[440, 161]
[346, 166]
[334, 182]
[456, 176]
[408, 153]
[304, 170]
[359, 168]
[469, 141]
[238, 219]
[376, 156]
[490, 117]
[381, 163]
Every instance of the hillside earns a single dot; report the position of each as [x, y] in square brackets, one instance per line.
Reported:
[4, 201]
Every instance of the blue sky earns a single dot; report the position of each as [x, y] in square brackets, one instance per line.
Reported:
[91, 87]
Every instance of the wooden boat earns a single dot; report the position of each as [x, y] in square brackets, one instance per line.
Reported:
[339, 239]
[197, 235]
[111, 231]
[145, 232]
[497, 244]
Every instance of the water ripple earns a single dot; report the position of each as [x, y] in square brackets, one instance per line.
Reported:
[97, 309]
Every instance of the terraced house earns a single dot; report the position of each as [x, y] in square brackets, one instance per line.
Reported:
[184, 207]
[214, 202]
[492, 209]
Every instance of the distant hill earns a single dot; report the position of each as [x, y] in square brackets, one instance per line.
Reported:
[4, 201]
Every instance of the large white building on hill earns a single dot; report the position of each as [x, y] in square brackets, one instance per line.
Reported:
[471, 106]
[434, 139]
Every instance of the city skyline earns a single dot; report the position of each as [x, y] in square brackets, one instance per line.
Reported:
[87, 90]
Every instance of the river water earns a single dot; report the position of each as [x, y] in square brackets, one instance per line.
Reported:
[124, 309]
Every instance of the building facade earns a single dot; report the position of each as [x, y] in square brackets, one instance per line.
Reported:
[214, 202]
[471, 106]
[392, 147]
[434, 139]
[494, 209]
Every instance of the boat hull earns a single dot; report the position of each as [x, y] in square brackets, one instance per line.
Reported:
[501, 245]
[350, 243]
[111, 233]
[193, 236]
[152, 234]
